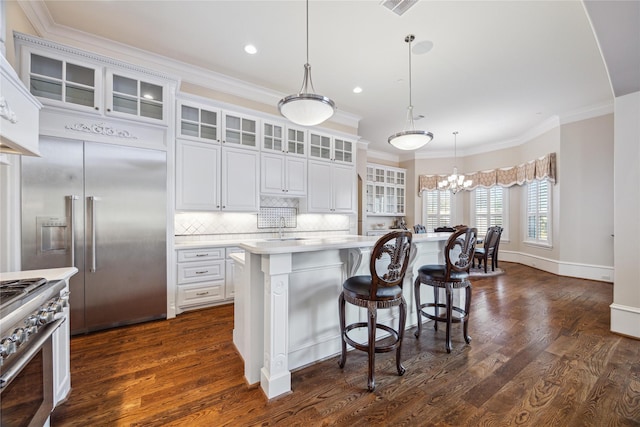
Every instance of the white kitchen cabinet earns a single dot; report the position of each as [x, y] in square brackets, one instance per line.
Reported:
[61, 344]
[385, 190]
[199, 122]
[283, 161]
[197, 176]
[240, 180]
[282, 175]
[205, 277]
[331, 148]
[59, 81]
[240, 130]
[212, 178]
[201, 278]
[63, 76]
[331, 188]
[19, 114]
[131, 97]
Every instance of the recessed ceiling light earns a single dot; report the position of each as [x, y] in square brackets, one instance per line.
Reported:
[357, 89]
[250, 49]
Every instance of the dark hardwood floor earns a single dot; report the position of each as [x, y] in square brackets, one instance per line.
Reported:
[541, 355]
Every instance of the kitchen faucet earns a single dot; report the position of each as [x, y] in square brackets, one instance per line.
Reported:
[281, 227]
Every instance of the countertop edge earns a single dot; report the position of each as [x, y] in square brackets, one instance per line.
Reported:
[63, 273]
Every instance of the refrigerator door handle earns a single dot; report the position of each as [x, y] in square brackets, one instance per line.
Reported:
[92, 206]
[72, 226]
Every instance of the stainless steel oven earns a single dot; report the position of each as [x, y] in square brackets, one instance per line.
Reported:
[30, 312]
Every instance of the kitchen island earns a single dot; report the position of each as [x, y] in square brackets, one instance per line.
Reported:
[286, 302]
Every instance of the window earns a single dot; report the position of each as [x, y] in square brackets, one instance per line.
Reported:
[538, 212]
[437, 209]
[490, 207]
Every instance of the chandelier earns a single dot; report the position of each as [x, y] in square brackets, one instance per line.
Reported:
[410, 138]
[306, 108]
[455, 182]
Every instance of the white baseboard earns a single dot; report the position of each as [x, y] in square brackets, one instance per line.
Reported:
[625, 320]
[561, 268]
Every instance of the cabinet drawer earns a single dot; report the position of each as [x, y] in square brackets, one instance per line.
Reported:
[200, 294]
[200, 271]
[200, 254]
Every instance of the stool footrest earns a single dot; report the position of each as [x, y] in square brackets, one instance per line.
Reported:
[365, 346]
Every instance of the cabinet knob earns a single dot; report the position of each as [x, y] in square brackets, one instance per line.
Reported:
[97, 108]
[109, 110]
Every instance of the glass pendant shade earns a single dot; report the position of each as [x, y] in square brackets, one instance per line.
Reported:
[306, 108]
[410, 138]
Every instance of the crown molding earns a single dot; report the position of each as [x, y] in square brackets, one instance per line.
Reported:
[39, 16]
[587, 113]
[383, 155]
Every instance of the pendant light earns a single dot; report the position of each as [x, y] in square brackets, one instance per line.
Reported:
[410, 138]
[454, 182]
[306, 108]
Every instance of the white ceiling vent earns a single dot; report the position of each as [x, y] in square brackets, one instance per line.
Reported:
[398, 6]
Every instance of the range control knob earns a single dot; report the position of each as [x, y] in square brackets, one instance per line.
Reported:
[45, 316]
[7, 347]
[19, 336]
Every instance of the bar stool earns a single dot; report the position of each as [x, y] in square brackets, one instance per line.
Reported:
[454, 274]
[381, 289]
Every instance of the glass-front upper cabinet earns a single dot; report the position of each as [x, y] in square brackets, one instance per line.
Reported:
[129, 96]
[343, 150]
[240, 130]
[273, 137]
[197, 122]
[319, 146]
[296, 141]
[386, 185]
[330, 148]
[61, 82]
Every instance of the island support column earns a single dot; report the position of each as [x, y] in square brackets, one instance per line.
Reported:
[275, 377]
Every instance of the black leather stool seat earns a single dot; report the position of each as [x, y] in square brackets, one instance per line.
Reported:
[360, 287]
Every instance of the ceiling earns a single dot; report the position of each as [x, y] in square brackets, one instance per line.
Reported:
[497, 69]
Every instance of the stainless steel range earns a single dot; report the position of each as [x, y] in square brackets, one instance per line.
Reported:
[30, 312]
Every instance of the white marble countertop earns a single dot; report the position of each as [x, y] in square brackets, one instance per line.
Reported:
[50, 274]
[276, 246]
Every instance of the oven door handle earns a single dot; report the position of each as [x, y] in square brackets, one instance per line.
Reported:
[34, 347]
[72, 221]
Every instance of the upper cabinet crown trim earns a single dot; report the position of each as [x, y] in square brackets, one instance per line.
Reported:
[24, 39]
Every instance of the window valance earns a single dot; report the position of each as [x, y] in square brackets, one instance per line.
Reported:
[540, 168]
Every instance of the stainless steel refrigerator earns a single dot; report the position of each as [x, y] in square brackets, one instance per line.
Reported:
[101, 208]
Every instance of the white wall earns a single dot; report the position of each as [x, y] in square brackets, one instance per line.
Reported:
[625, 310]
[581, 230]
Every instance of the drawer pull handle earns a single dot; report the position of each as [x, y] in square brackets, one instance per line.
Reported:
[202, 272]
[202, 254]
[201, 294]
